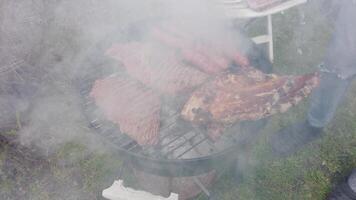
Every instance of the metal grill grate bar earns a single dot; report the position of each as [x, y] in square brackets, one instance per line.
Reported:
[175, 139]
[191, 148]
[181, 144]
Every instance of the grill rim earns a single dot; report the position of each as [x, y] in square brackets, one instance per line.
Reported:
[174, 167]
[183, 167]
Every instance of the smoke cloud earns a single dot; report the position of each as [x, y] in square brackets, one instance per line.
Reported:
[48, 47]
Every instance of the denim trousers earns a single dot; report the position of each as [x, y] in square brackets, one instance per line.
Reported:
[326, 98]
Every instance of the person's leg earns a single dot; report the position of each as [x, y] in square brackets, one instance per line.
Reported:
[326, 98]
[324, 102]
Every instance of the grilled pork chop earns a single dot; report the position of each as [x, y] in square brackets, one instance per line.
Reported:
[247, 95]
[157, 69]
[130, 105]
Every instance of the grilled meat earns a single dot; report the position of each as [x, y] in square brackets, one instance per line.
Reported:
[247, 95]
[158, 69]
[211, 58]
[130, 105]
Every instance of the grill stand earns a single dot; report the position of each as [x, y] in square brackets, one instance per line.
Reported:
[119, 192]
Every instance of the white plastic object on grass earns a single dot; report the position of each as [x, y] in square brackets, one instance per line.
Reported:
[119, 192]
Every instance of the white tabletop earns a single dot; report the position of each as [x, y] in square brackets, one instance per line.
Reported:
[237, 11]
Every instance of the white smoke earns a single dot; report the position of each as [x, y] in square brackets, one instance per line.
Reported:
[52, 43]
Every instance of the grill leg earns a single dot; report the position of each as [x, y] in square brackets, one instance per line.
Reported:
[202, 187]
[122, 168]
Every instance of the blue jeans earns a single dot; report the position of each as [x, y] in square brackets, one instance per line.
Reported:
[326, 98]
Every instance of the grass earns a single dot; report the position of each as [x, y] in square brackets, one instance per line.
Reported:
[74, 172]
[92, 171]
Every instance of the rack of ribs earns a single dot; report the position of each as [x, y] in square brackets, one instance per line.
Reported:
[157, 68]
[247, 95]
[131, 106]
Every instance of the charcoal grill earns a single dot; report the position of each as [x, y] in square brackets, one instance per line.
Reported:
[182, 150]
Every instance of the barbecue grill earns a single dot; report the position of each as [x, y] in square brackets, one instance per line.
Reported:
[182, 150]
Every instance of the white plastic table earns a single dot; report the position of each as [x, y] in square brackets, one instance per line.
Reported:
[238, 9]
